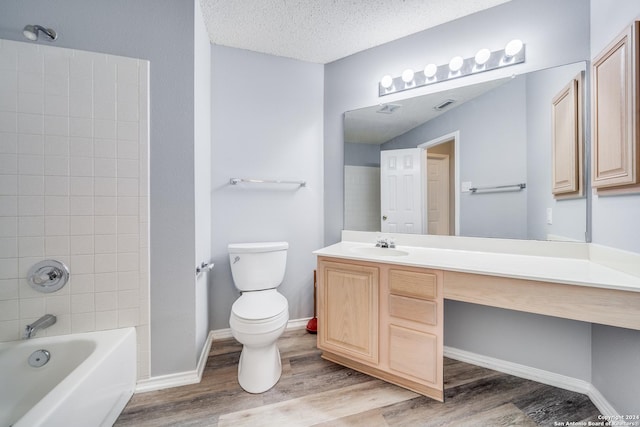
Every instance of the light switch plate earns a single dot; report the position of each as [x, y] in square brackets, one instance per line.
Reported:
[549, 216]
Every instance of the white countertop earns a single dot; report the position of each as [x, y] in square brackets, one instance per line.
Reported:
[571, 271]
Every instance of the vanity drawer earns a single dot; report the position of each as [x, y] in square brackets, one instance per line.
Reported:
[417, 310]
[413, 354]
[413, 284]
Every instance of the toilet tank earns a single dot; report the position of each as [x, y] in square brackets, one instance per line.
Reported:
[258, 266]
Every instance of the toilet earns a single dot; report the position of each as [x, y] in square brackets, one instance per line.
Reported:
[260, 315]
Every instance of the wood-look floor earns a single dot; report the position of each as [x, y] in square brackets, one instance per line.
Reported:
[315, 392]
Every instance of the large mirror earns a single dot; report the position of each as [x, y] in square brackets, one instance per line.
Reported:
[481, 158]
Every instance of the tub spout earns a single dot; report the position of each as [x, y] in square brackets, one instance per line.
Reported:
[42, 323]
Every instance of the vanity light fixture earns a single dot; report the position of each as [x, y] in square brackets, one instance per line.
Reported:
[456, 64]
[482, 57]
[407, 75]
[484, 60]
[513, 48]
[386, 81]
[430, 70]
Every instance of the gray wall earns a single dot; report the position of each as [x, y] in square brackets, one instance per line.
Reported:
[616, 352]
[267, 124]
[135, 29]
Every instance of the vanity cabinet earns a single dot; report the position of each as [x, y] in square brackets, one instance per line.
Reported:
[615, 118]
[384, 320]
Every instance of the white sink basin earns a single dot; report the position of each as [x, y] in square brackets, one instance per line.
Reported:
[376, 251]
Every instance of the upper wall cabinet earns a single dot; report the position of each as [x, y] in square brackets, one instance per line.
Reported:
[567, 140]
[615, 114]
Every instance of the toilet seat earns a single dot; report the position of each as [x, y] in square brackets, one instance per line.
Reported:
[259, 312]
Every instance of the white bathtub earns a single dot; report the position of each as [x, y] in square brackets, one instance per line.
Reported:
[88, 380]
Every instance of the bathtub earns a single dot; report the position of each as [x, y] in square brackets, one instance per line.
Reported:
[87, 381]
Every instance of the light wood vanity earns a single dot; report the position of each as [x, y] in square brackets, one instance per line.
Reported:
[384, 320]
[383, 316]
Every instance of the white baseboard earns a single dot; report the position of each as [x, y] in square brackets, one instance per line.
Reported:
[193, 377]
[534, 374]
[180, 378]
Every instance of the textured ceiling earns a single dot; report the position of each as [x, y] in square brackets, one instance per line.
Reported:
[323, 31]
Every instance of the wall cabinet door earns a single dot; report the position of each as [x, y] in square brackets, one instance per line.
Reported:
[567, 140]
[614, 117]
[348, 310]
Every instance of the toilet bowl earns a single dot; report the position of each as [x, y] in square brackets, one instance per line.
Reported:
[260, 315]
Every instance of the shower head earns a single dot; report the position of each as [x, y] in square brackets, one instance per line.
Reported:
[31, 32]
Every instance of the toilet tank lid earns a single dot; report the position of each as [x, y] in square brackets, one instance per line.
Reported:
[243, 248]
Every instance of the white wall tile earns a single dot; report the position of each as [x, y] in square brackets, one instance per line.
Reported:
[106, 224]
[56, 205]
[9, 289]
[106, 320]
[30, 165]
[30, 226]
[56, 225]
[56, 245]
[30, 123]
[9, 309]
[8, 205]
[30, 144]
[82, 303]
[8, 121]
[106, 282]
[31, 185]
[8, 143]
[81, 245]
[73, 165]
[106, 301]
[82, 264]
[56, 186]
[8, 226]
[81, 166]
[81, 225]
[30, 205]
[82, 284]
[55, 125]
[9, 330]
[31, 246]
[32, 307]
[81, 205]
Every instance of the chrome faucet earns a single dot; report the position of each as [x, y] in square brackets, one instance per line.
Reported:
[385, 243]
[42, 323]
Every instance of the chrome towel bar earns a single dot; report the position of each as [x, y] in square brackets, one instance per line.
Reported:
[511, 187]
[236, 181]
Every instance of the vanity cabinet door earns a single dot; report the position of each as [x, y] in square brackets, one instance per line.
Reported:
[614, 116]
[348, 310]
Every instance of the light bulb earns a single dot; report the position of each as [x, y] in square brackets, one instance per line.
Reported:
[387, 81]
[456, 63]
[407, 75]
[513, 48]
[430, 70]
[482, 56]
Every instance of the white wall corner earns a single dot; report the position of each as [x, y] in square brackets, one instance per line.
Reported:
[179, 378]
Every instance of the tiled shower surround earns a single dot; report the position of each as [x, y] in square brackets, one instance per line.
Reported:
[74, 187]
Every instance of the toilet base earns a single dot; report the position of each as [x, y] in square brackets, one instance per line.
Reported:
[259, 368]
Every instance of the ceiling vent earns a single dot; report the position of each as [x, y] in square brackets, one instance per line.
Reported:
[388, 108]
[444, 104]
